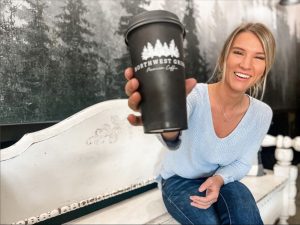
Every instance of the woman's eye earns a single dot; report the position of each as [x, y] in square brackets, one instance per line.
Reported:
[260, 57]
[237, 52]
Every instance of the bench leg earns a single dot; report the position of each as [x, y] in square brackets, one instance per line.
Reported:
[290, 191]
[283, 220]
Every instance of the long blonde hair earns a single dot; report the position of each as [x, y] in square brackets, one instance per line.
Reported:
[268, 42]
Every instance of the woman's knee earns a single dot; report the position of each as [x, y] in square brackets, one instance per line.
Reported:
[236, 189]
[236, 205]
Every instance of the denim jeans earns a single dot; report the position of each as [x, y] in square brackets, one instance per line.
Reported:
[235, 204]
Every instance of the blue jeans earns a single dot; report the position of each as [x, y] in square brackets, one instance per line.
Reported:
[235, 204]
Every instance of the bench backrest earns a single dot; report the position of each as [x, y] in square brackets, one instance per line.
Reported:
[90, 156]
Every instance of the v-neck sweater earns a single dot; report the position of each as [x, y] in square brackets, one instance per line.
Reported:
[199, 152]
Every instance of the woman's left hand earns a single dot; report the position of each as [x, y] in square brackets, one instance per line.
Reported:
[212, 187]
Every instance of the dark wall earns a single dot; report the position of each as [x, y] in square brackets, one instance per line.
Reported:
[286, 123]
[11, 133]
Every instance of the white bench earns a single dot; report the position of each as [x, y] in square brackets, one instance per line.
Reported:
[95, 155]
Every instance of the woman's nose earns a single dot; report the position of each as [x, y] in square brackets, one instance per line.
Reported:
[246, 62]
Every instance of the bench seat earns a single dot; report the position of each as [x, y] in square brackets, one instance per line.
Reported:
[148, 207]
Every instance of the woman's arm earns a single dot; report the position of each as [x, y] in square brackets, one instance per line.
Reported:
[241, 166]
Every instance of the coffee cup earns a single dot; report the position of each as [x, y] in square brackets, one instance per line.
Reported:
[155, 43]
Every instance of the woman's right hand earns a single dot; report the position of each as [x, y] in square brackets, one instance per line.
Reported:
[134, 97]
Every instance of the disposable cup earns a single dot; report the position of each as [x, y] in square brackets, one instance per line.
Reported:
[155, 42]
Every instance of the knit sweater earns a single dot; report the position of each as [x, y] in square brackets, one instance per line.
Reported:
[199, 152]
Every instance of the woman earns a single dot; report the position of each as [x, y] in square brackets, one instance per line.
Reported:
[226, 127]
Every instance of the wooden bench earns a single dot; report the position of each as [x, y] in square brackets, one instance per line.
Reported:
[96, 155]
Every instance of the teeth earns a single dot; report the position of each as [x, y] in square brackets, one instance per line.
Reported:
[241, 75]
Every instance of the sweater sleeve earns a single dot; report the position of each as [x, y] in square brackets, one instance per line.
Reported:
[240, 167]
[234, 171]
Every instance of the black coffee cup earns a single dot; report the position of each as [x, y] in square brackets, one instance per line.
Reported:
[155, 42]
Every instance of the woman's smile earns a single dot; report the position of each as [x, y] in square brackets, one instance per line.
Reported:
[242, 76]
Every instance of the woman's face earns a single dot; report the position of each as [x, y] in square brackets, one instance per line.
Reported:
[245, 64]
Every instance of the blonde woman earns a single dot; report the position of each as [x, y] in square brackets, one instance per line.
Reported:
[200, 180]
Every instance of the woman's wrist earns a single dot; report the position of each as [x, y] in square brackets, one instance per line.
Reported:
[219, 179]
[170, 136]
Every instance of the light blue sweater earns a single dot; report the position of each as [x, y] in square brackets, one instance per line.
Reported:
[201, 153]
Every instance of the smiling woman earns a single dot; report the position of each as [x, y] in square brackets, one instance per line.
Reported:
[226, 128]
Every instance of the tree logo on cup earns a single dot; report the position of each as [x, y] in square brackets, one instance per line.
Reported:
[160, 57]
[160, 50]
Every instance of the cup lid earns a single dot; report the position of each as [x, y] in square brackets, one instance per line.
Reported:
[153, 16]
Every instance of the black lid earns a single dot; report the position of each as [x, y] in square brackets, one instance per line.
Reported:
[153, 16]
